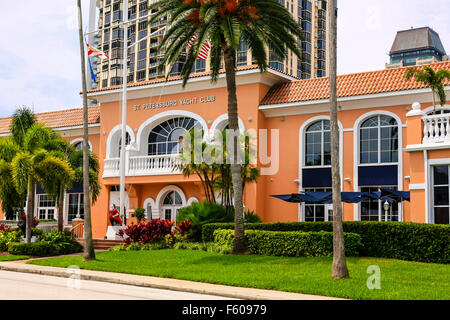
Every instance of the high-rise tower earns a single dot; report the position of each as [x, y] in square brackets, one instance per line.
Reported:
[143, 60]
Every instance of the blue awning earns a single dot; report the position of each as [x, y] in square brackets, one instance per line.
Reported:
[375, 176]
[347, 197]
[316, 178]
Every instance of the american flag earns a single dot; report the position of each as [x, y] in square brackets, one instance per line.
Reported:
[204, 52]
[191, 42]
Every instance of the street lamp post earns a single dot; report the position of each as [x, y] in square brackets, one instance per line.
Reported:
[386, 207]
[124, 111]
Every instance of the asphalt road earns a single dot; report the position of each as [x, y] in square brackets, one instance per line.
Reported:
[26, 286]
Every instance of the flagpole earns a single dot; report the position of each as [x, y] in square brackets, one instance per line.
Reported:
[124, 110]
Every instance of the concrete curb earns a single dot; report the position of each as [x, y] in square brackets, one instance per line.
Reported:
[163, 283]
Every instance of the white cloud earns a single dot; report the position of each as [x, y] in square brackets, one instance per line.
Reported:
[39, 51]
[39, 55]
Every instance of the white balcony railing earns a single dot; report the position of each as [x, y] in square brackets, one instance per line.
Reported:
[112, 167]
[143, 165]
[150, 165]
[436, 128]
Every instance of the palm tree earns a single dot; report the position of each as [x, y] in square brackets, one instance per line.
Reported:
[431, 79]
[37, 162]
[339, 270]
[75, 159]
[261, 24]
[22, 119]
[89, 253]
[10, 198]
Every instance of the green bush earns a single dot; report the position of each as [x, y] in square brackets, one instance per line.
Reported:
[203, 213]
[395, 240]
[48, 244]
[291, 243]
[140, 247]
[205, 246]
[252, 217]
[9, 237]
[44, 248]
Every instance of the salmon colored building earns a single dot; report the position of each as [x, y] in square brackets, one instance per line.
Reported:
[389, 138]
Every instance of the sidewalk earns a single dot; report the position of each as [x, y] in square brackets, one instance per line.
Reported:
[163, 283]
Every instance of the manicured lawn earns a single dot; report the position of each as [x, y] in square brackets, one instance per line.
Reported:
[12, 258]
[399, 279]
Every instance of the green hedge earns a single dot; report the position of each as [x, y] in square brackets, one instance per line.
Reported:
[396, 240]
[44, 248]
[291, 243]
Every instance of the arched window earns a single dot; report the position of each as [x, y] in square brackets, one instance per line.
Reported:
[173, 198]
[317, 144]
[171, 204]
[127, 141]
[166, 137]
[379, 140]
[78, 145]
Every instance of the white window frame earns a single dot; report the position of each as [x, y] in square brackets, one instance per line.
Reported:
[356, 157]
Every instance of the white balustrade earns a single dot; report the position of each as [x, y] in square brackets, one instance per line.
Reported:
[436, 129]
[144, 165]
[111, 168]
[149, 165]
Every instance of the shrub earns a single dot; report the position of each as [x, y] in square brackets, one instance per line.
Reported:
[395, 240]
[44, 248]
[252, 217]
[150, 232]
[291, 244]
[8, 237]
[140, 247]
[203, 213]
[139, 214]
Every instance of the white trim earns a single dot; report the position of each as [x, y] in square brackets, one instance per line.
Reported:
[221, 120]
[77, 140]
[149, 124]
[356, 147]
[442, 161]
[115, 134]
[162, 194]
[301, 166]
[95, 125]
[418, 186]
[151, 202]
[438, 108]
[192, 200]
[164, 191]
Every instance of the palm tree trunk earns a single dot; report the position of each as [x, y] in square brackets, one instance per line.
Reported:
[30, 210]
[339, 264]
[89, 253]
[61, 209]
[240, 244]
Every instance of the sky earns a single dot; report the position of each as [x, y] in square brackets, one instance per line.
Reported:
[40, 54]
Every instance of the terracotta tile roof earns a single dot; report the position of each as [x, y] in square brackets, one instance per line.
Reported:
[356, 84]
[59, 119]
[177, 78]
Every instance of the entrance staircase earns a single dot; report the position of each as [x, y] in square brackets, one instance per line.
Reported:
[101, 244]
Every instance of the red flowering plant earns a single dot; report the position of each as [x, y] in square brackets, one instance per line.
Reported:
[179, 234]
[4, 228]
[184, 227]
[151, 232]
